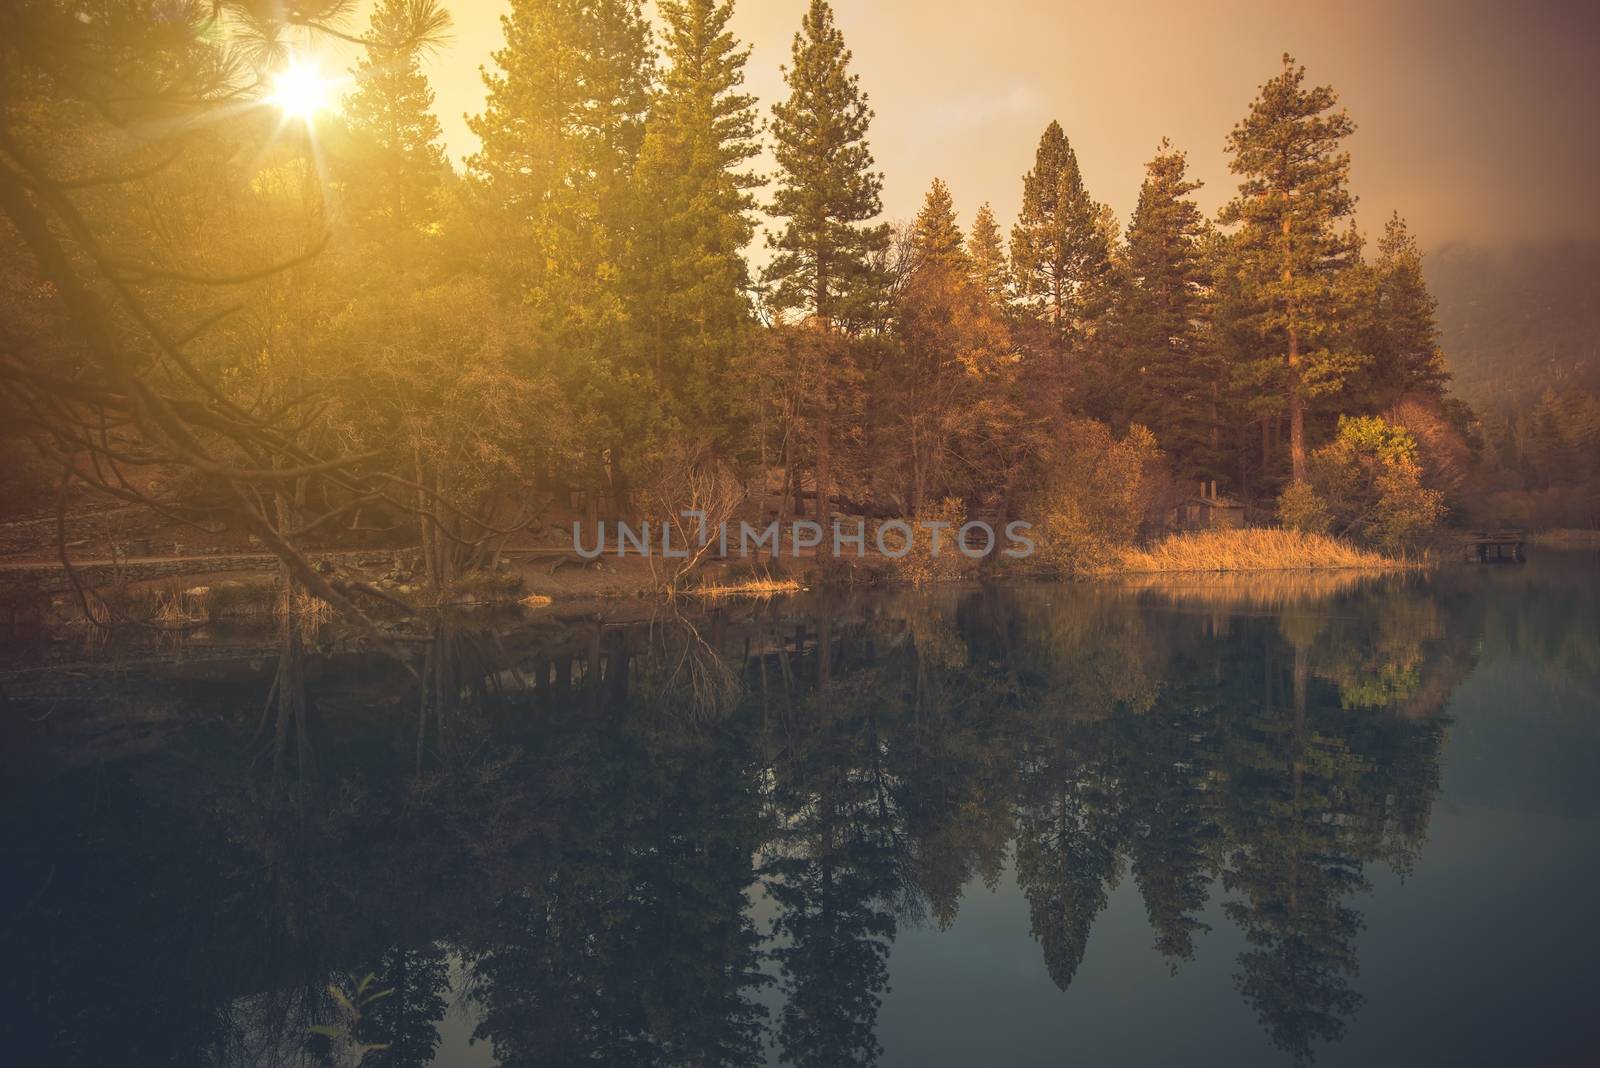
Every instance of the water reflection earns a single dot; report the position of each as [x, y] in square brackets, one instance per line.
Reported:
[694, 840]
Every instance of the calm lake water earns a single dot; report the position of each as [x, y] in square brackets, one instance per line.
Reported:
[1213, 823]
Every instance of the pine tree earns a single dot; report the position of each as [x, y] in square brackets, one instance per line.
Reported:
[1406, 357]
[1171, 384]
[396, 168]
[936, 236]
[827, 192]
[1248, 364]
[1562, 442]
[1060, 248]
[990, 268]
[1294, 805]
[951, 344]
[564, 117]
[1292, 198]
[561, 131]
[694, 311]
[827, 188]
[1067, 853]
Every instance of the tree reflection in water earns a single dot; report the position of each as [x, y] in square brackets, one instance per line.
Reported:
[692, 841]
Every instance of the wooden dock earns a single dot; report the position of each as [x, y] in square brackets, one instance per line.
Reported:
[1494, 546]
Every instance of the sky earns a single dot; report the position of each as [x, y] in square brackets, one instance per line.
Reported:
[1478, 120]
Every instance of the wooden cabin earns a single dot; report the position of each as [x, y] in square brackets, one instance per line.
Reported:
[1207, 510]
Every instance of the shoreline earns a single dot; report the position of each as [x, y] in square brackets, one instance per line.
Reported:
[248, 580]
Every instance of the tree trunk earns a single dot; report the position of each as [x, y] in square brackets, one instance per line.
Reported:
[591, 511]
[783, 491]
[1297, 414]
[424, 516]
[1216, 439]
[917, 479]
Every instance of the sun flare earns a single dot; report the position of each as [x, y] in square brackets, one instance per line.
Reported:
[301, 91]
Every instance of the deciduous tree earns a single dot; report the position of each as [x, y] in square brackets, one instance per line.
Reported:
[1365, 484]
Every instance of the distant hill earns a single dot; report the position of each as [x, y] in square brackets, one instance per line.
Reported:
[1517, 320]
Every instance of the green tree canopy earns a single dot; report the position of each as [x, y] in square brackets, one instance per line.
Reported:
[693, 312]
[1172, 381]
[1060, 248]
[827, 189]
[1292, 201]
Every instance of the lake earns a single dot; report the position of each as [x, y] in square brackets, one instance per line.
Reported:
[1263, 821]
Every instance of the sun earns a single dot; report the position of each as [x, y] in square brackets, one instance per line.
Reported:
[300, 91]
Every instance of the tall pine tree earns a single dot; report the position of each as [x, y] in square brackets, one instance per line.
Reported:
[827, 187]
[1060, 249]
[827, 193]
[1406, 357]
[990, 268]
[561, 131]
[930, 390]
[392, 180]
[936, 236]
[1171, 384]
[1291, 203]
[694, 310]
[564, 118]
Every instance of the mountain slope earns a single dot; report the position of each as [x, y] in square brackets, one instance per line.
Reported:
[1518, 320]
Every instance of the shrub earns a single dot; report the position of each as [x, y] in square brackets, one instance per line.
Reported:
[686, 477]
[1367, 482]
[1300, 509]
[1551, 508]
[1444, 451]
[921, 564]
[1096, 496]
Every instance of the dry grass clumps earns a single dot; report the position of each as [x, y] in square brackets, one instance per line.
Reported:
[759, 587]
[1251, 550]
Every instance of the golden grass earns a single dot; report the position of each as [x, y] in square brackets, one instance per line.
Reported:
[753, 588]
[176, 608]
[535, 600]
[306, 607]
[1250, 550]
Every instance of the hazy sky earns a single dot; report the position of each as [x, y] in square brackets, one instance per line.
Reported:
[1479, 120]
